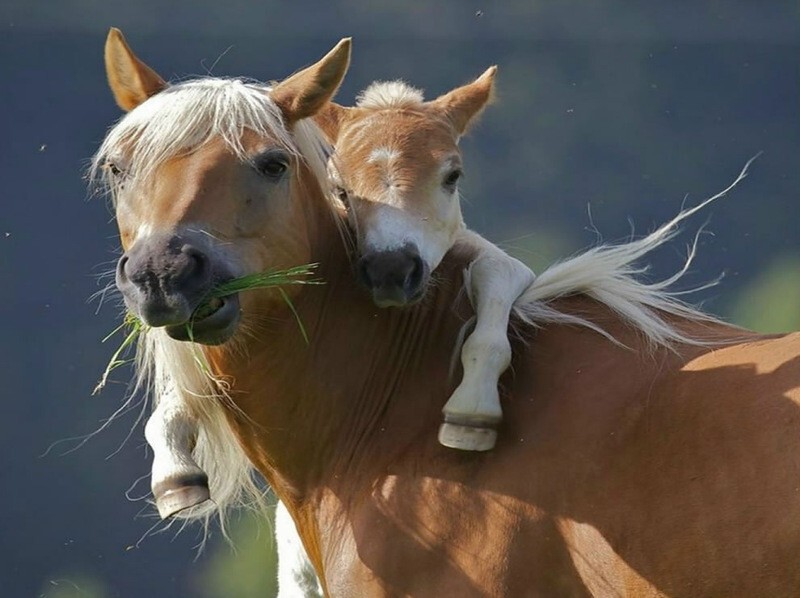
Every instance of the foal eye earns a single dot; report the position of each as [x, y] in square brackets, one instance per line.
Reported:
[272, 165]
[342, 195]
[452, 178]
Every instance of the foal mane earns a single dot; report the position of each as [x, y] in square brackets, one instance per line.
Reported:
[187, 115]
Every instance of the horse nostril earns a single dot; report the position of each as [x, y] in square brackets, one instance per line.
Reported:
[196, 263]
[122, 276]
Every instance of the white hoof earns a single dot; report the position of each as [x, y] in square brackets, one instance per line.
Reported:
[467, 438]
[176, 495]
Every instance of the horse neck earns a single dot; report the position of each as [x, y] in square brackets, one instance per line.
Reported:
[369, 384]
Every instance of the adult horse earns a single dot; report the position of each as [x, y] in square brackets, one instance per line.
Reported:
[634, 465]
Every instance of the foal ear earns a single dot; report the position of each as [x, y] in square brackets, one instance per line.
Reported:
[464, 104]
[130, 79]
[306, 92]
[330, 118]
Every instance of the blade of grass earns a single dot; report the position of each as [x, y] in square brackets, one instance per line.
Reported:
[296, 315]
[135, 327]
[263, 280]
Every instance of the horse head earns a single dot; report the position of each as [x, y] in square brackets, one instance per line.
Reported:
[205, 175]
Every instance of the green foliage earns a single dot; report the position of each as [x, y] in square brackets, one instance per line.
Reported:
[771, 302]
[249, 569]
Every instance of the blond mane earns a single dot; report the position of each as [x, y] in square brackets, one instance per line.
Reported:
[186, 116]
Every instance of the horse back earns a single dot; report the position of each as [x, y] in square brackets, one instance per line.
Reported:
[618, 471]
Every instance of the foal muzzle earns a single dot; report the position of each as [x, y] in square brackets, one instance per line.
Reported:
[396, 278]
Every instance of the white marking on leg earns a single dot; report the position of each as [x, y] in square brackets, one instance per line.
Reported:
[496, 280]
[296, 575]
[172, 433]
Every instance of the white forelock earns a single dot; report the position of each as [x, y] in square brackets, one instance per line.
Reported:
[187, 115]
[389, 94]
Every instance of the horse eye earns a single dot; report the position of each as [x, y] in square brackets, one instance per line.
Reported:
[272, 165]
[451, 180]
[113, 169]
[273, 168]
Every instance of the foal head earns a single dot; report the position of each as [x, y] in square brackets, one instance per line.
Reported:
[206, 177]
[396, 167]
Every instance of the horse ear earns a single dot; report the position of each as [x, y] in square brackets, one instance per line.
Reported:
[464, 104]
[130, 79]
[306, 92]
[330, 119]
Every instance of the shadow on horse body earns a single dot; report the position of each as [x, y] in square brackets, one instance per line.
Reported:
[647, 469]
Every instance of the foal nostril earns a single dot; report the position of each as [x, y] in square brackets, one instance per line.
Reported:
[362, 272]
[414, 277]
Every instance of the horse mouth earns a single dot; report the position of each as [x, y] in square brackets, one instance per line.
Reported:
[383, 299]
[212, 323]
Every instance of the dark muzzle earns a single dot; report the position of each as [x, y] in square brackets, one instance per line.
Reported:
[166, 278]
[395, 278]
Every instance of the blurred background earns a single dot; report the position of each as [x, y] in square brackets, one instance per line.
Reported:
[609, 117]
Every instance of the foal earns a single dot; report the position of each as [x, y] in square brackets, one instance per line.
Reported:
[396, 167]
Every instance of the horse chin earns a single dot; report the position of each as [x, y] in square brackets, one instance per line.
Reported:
[215, 328]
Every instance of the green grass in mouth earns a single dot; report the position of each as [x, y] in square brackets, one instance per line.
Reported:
[132, 326]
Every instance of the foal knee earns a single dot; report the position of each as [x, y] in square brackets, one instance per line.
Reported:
[488, 349]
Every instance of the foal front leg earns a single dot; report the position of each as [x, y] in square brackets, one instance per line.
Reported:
[473, 412]
[177, 481]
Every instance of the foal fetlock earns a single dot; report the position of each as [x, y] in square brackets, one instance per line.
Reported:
[473, 412]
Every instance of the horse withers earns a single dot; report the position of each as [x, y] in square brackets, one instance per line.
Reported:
[647, 449]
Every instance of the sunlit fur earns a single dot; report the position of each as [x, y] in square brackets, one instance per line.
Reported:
[192, 113]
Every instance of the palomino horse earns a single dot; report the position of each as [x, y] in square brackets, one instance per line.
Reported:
[635, 465]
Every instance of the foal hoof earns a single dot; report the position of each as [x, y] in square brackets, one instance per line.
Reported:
[175, 496]
[467, 438]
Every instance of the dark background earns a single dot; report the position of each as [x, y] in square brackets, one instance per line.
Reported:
[626, 107]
